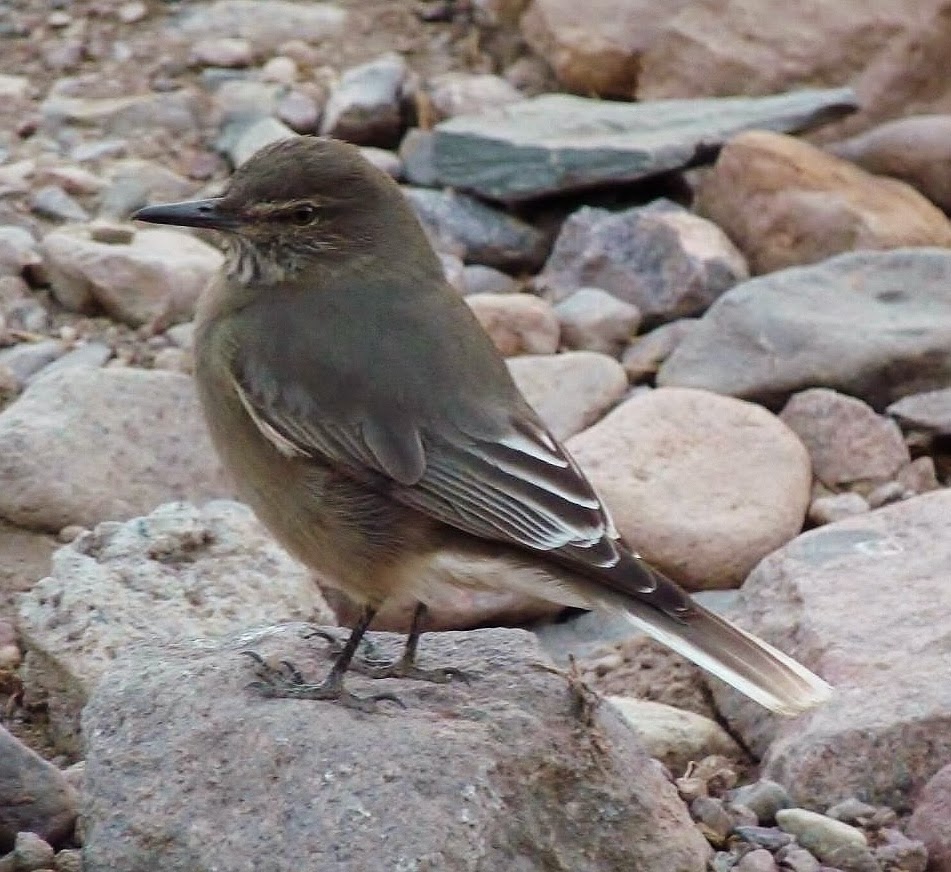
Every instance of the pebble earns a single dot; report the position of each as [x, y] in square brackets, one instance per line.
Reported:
[823, 836]
[716, 821]
[28, 358]
[69, 860]
[30, 853]
[796, 859]
[889, 492]
[764, 798]
[771, 838]
[130, 13]
[836, 507]
[482, 279]
[298, 111]
[51, 201]
[757, 861]
[229, 52]
[280, 69]
[594, 320]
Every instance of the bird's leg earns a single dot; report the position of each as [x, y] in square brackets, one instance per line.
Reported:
[287, 681]
[405, 666]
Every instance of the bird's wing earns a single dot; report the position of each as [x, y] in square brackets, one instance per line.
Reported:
[518, 487]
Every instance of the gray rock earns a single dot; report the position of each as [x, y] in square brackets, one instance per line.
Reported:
[221, 51]
[383, 159]
[481, 279]
[364, 107]
[570, 391]
[299, 111]
[31, 853]
[848, 600]
[847, 441]
[173, 112]
[929, 411]
[899, 852]
[93, 354]
[759, 860]
[51, 201]
[416, 152]
[646, 353]
[28, 358]
[557, 142]
[819, 834]
[764, 798]
[851, 811]
[265, 23]
[929, 822]
[178, 573]
[254, 136]
[18, 250]
[34, 795]
[594, 320]
[770, 838]
[86, 445]
[661, 258]
[517, 781]
[837, 507]
[477, 233]
[887, 493]
[68, 860]
[796, 859]
[772, 336]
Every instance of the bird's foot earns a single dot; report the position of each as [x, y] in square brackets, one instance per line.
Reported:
[403, 668]
[336, 646]
[287, 682]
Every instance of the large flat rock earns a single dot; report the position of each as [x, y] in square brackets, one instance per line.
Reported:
[496, 774]
[876, 325]
[867, 604]
[557, 142]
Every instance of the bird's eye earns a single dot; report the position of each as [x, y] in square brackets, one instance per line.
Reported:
[303, 215]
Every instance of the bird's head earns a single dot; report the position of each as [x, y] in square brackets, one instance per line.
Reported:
[297, 204]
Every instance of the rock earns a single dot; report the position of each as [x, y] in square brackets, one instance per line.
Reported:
[14, 87]
[919, 476]
[221, 51]
[796, 859]
[458, 93]
[570, 391]
[660, 258]
[836, 507]
[454, 271]
[594, 320]
[851, 811]
[517, 323]
[34, 795]
[158, 275]
[759, 860]
[416, 152]
[86, 445]
[916, 150]
[929, 821]
[847, 600]
[847, 441]
[265, 23]
[52, 202]
[514, 769]
[477, 233]
[764, 798]
[596, 48]
[895, 55]
[786, 203]
[179, 573]
[174, 112]
[18, 250]
[557, 143]
[714, 820]
[884, 494]
[253, 137]
[828, 839]
[900, 852]
[701, 485]
[481, 279]
[771, 838]
[30, 852]
[364, 107]
[93, 354]
[673, 736]
[929, 411]
[770, 337]
[280, 69]
[68, 861]
[299, 111]
[134, 183]
[28, 358]
[383, 159]
[645, 354]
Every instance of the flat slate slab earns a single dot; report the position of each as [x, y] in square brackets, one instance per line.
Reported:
[557, 143]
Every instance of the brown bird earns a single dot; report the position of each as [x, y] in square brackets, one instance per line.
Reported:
[373, 427]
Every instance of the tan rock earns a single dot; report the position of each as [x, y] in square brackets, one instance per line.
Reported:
[570, 391]
[159, 274]
[846, 439]
[457, 93]
[596, 47]
[673, 736]
[915, 150]
[787, 203]
[517, 323]
[893, 52]
[929, 822]
[86, 445]
[702, 485]
[646, 353]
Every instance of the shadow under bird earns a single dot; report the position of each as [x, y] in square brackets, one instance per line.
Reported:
[371, 424]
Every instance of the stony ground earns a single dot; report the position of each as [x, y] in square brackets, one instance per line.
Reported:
[734, 310]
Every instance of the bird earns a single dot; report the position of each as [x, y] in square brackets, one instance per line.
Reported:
[371, 424]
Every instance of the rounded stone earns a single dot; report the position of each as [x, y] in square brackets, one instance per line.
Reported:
[704, 486]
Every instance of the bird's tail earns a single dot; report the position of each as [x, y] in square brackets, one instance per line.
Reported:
[752, 666]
